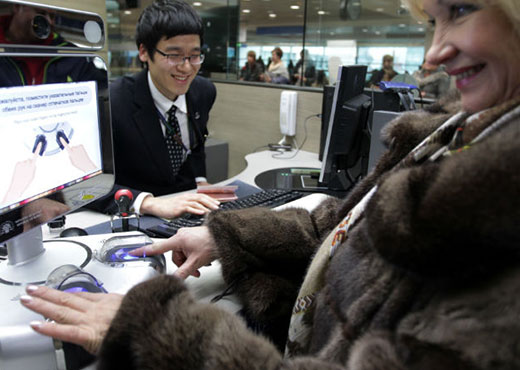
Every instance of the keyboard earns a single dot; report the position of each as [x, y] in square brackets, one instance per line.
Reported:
[266, 198]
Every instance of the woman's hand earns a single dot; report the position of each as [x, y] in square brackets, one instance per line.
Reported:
[192, 247]
[175, 206]
[80, 318]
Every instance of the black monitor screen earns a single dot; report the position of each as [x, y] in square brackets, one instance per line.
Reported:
[348, 118]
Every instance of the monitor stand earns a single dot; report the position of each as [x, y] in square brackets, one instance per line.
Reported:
[30, 260]
[298, 178]
[289, 178]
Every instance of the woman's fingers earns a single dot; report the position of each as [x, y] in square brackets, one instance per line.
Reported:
[52, 311]
[80, 318]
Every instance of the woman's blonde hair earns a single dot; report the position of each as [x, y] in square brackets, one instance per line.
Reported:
[510, 8]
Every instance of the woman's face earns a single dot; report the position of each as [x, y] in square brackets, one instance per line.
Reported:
[274, 57]
[479, 48]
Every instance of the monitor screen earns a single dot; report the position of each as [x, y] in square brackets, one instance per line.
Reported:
[55, 141]
[347, 141]
[49, 139]
[381, 100]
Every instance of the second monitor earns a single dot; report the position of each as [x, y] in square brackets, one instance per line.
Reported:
[346, 147]
[345, 156]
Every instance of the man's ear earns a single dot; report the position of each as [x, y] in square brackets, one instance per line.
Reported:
[143, 54]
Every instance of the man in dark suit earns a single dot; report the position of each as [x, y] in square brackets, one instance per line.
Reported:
[159, 115]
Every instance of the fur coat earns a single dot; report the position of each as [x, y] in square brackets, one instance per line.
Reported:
[428, 279]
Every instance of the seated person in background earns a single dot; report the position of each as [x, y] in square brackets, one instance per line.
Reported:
[277, 72]
[418, 268]
[261, 62]
[384, 74]
[159, 115]
[252, 70]
[321, 79]
[432, 80]
[304, 76]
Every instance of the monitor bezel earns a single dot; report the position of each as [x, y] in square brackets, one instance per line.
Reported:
[342, 93]
[23, 217]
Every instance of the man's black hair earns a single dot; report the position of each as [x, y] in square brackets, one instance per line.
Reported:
[166, 18]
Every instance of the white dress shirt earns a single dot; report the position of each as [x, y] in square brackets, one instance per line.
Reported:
[163, 105]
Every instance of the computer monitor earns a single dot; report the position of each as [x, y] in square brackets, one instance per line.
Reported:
[326, 106]
[345, 156]
[384, 100]
[381, 100]
[56, 150]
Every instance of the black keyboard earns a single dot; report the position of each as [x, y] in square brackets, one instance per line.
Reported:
[266, 198]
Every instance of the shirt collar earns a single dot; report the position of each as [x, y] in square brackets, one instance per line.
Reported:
[162, 102]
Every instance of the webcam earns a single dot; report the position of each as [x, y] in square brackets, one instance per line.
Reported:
[41, 26]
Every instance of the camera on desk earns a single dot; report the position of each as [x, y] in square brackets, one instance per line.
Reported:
[70, 278]
[116, 251]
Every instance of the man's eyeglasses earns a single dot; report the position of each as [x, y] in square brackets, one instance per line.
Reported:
[177, 59]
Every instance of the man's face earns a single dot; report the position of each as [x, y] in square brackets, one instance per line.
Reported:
[388, 63]
[172, 80]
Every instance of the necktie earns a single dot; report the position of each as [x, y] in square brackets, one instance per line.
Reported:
[174, 141]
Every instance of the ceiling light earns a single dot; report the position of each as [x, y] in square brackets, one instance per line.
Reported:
[197, 3]
[321, 12]
[272, 15]
[128, 12]
[295, 7]
[380, 9]
[246, 11]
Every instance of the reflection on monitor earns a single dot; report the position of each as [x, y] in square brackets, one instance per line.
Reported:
[39, 23]
[345, 156]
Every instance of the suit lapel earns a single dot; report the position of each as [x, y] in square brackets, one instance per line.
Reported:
[146, 119]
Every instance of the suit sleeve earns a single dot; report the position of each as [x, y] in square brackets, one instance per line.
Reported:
[204, 102]
[119, 97]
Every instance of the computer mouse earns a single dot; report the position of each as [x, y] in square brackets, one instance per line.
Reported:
[73, 231]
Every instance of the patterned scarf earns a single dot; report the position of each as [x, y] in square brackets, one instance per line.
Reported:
[458, 133]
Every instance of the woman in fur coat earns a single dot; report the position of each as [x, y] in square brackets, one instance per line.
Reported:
[419, 268]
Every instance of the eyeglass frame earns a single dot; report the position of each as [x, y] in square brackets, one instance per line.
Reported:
[188, 58]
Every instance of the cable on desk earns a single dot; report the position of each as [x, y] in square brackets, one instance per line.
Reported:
[298, 147]
[260, 147]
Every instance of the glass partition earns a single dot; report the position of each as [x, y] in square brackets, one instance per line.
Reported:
[324, 33]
